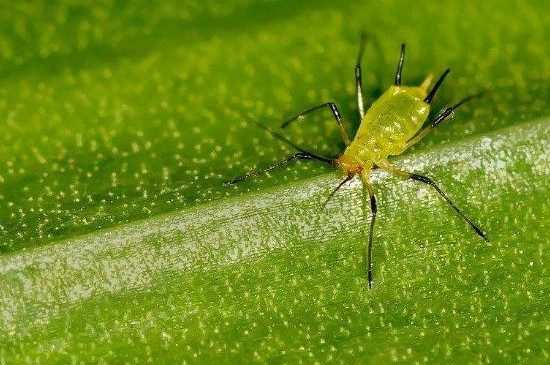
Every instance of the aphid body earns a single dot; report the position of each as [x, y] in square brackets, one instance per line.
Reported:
[393, 123]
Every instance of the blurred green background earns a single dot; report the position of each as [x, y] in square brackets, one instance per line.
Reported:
[120, 120]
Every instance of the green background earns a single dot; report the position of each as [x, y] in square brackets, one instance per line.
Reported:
[119, 122]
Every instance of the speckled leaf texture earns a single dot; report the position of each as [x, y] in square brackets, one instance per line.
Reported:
[119, 243]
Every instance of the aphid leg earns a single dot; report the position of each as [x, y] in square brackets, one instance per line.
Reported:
[302, 155]
[370, 190]
[342, 183]
[442, 116]
[333, 108]
[400, 66]
[386, 166]
[428, 99]
[296, 156]
[359, 77]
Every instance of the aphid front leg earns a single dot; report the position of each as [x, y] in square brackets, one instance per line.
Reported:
[409, 175]
[335, 112]
[370, 190]
[441, 117]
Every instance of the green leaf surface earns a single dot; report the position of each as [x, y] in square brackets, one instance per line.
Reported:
[120, 244]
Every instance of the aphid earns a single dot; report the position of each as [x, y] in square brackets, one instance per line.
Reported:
[393, 123]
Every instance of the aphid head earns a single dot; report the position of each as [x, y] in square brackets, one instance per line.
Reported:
[348, 165]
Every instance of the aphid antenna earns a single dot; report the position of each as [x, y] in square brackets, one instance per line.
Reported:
[287, 141]
[302, 155]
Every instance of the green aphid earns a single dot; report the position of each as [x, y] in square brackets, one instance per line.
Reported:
[392, 124]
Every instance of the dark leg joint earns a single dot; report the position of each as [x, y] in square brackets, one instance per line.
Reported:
[335, 111]
[480, 232]
[424, 179]
[441, 117]
[302, 156]
[358, 73]
[373, 205]
[371, 233]
[370, 279]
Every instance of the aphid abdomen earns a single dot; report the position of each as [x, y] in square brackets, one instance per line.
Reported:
[396, 115]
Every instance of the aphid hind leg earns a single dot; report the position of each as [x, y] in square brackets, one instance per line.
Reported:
[397, 81]
[388, 167]
[370, 190]
[335, 112]
[359, 77]
[295, 157]
[441, 117]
